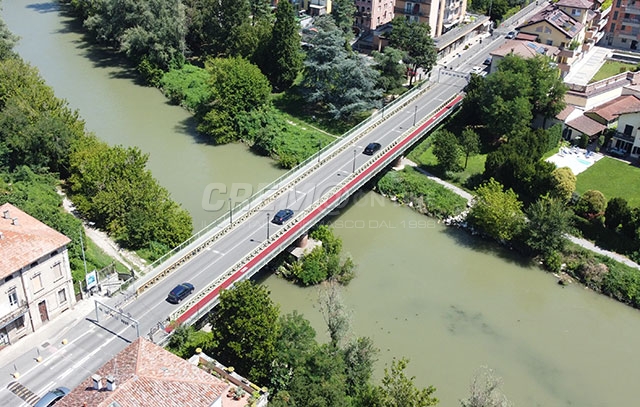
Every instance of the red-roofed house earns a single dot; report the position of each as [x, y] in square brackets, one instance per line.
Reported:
[607, 113]
[35, 277]
[144, 374]
[626, 140]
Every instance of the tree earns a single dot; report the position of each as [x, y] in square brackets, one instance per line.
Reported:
[360, 356]
[485, 391]
[497, 212]
[285, 56]
[334, 313]
[563, 183]
[447, 150]
[7, 42]
[227, 19]
[151, 31]
[398, 390]
[547, 87]
[245, 330]
[591, 204]
[617, 213]
[391, 71]
[295, 340]
[339, 81]
[260, 10]
[237, 87]
[343, 13]
[549, 222]
[470, 144]
[414, 38]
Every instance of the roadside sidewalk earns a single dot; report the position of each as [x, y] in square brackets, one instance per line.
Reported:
[52, 332]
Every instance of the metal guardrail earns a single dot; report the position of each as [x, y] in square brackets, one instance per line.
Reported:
[192, 247]
[325, 205]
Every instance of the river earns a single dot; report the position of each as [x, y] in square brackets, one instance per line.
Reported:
[447, 301]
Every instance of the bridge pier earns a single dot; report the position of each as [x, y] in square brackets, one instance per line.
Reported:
[398, 164]
[303, 245]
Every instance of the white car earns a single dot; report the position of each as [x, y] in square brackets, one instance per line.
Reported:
[478, 70]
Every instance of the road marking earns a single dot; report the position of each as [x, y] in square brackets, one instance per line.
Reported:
[25, 394]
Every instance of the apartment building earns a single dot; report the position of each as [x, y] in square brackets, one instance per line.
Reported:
[35, 277]
[371, 14]
[623, 30]
[441, 15]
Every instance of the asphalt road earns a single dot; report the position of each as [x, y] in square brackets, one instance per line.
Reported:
[92, 342]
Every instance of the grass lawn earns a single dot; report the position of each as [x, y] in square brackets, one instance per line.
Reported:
[428, 161]
[613, 178]
[611, 68]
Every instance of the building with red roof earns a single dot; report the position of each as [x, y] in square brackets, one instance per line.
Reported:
[35, 276]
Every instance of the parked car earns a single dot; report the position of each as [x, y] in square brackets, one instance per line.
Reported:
[488, 60]
[511, 35]
[282, 216]
[180, 292]
[371, 148]
[52, 397]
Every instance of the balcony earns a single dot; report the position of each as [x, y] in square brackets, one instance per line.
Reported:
[631, 9]
[14, 314]
[625, 137]
[410, 12]
[634, 22]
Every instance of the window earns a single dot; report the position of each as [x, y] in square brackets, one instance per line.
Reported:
[19, 323]
[623, 40]
[575, 11]
[635, 151]
[547, 30]
[62, 296]
[628, 129]
[13, 297]
[626, 15]
[615, 15]
[623, 27]
[36, 282]
[618, 3]
[613, 27]
[549, 42]
[539, 29]
[57, 271]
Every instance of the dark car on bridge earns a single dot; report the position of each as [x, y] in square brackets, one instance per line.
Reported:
[52, 397]
[180, 292]
[371, 148]
[282, 216]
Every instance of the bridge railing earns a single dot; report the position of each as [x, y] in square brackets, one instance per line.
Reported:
[199, 241]
[327, 203]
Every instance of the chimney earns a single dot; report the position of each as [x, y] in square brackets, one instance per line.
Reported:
[1, 235]
[6, 214]
[111, 383]
[97, 381]
[14, 221]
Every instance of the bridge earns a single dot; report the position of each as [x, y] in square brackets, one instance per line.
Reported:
[234, 248]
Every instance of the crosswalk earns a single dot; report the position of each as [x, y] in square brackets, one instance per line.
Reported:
[25, 394]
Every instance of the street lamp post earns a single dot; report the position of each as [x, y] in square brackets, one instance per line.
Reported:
[415, 112]
[230, 213]
[354, 160]
[319, 149]
[268, 226]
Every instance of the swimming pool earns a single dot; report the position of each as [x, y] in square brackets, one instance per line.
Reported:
[583, 161]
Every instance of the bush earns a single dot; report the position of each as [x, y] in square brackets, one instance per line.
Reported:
[553, 262]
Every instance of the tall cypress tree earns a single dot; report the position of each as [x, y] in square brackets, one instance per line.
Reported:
[286, 56]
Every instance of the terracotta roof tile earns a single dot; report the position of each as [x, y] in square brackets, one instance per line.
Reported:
[26, 241]
[525, 49]
[147, 375]
[586, 126]
[558, 19]
[614, 108]
[584, 4]
[565, 112]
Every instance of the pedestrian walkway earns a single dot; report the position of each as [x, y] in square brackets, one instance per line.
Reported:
[582, 71]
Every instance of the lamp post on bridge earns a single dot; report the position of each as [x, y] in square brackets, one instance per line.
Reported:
[415, 112]
[268, 226]
[319, 149]
[230, 213]
[354, 160]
